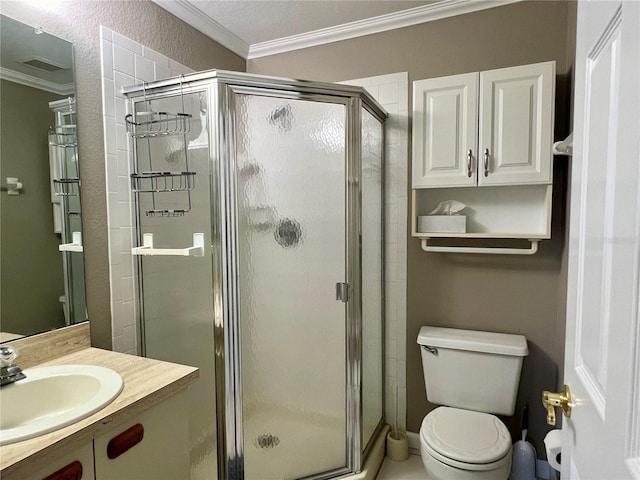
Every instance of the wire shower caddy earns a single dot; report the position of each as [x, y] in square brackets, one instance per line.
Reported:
[147, 125]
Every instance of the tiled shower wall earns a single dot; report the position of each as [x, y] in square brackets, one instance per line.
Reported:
[392, 92]
[125, 62]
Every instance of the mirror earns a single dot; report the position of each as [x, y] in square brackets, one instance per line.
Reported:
[41, 259]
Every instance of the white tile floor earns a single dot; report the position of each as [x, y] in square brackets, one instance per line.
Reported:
[411, 469]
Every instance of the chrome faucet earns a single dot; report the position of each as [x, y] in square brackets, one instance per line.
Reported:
[9, 373]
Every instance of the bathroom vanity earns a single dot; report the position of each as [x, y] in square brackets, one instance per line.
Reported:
[142, 433]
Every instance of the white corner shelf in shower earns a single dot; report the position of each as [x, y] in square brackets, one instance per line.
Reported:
[74, 246]
[197, 250]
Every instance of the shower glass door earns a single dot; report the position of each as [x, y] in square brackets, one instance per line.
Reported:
[291, 175]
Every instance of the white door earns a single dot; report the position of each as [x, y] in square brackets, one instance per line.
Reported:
[516, 125]
[445, 131]
[601, 440]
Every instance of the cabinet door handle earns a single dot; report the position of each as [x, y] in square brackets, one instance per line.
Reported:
[73, 471]
[469, 158]
[125, 441]
[486, 162]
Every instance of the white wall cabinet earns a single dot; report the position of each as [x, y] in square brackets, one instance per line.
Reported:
[152, 446]
[486, 128]
[445, 131]
[516, 125]
[485, 139]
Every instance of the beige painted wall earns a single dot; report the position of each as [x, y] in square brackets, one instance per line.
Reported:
[482, 292]
[78, 21]
[31, 263]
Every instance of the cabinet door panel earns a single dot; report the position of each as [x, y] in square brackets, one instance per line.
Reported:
[62, 466]
[162, 453]
[516, 124]
[445, 131]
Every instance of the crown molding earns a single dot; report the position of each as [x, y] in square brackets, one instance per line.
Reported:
[368, 26]
[34, 82]
[199, 20]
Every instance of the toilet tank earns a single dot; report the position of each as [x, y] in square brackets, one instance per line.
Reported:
[471, 369]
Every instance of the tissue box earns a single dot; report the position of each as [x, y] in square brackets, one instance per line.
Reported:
[442, 224]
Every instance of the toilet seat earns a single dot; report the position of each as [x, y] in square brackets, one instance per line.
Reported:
[465, 439]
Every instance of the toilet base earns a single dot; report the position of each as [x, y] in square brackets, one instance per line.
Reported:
[441, 471]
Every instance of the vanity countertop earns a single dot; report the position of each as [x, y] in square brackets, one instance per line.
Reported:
[147, 382]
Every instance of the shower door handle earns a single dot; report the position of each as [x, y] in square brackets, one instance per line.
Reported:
[342, 292]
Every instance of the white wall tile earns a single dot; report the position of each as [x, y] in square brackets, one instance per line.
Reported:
[128, 289]
[122, 79]
[127, 43]
[106, 33]
[123, 60]
[116, 312]
[155, 57]
[145, 69]
[115, 243]
[112, 179]
[388, 94]
[162, 71]
[110, 141]
[106, 58]
[120, 110]
[108, 106]
[122, 138]
[123, 167]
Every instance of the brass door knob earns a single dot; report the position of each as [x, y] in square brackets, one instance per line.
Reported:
[551, 400]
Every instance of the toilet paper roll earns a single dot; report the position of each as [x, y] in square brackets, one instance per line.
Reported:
[553, 445]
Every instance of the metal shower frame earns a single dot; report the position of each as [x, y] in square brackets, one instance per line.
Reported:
[221, 86]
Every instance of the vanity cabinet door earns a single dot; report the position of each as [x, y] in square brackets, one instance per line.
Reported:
[516, 125]
[75, 466]
[445, 131]
[152, 446]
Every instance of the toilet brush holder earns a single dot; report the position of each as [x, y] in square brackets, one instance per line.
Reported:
[397, 446]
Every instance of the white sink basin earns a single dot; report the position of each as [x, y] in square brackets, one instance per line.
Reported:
[54, 397]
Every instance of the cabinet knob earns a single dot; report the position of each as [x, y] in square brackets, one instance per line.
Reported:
[469, 159]
[486, 162]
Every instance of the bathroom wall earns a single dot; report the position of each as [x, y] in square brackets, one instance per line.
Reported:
[517, 295]
[31, 262]
[79, 22]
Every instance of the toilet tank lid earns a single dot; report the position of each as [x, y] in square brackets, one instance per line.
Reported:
[472, 340]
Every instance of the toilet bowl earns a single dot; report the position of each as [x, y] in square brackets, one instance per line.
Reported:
[458, 444]
[472, 375]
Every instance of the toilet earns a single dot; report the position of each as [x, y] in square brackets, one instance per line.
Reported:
[472, 375]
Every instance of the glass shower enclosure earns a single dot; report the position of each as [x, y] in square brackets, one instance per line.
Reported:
[259, 217]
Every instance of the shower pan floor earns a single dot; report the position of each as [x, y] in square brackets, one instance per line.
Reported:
[280, 444]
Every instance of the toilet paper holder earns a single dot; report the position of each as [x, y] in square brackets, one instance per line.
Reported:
[550, 400]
